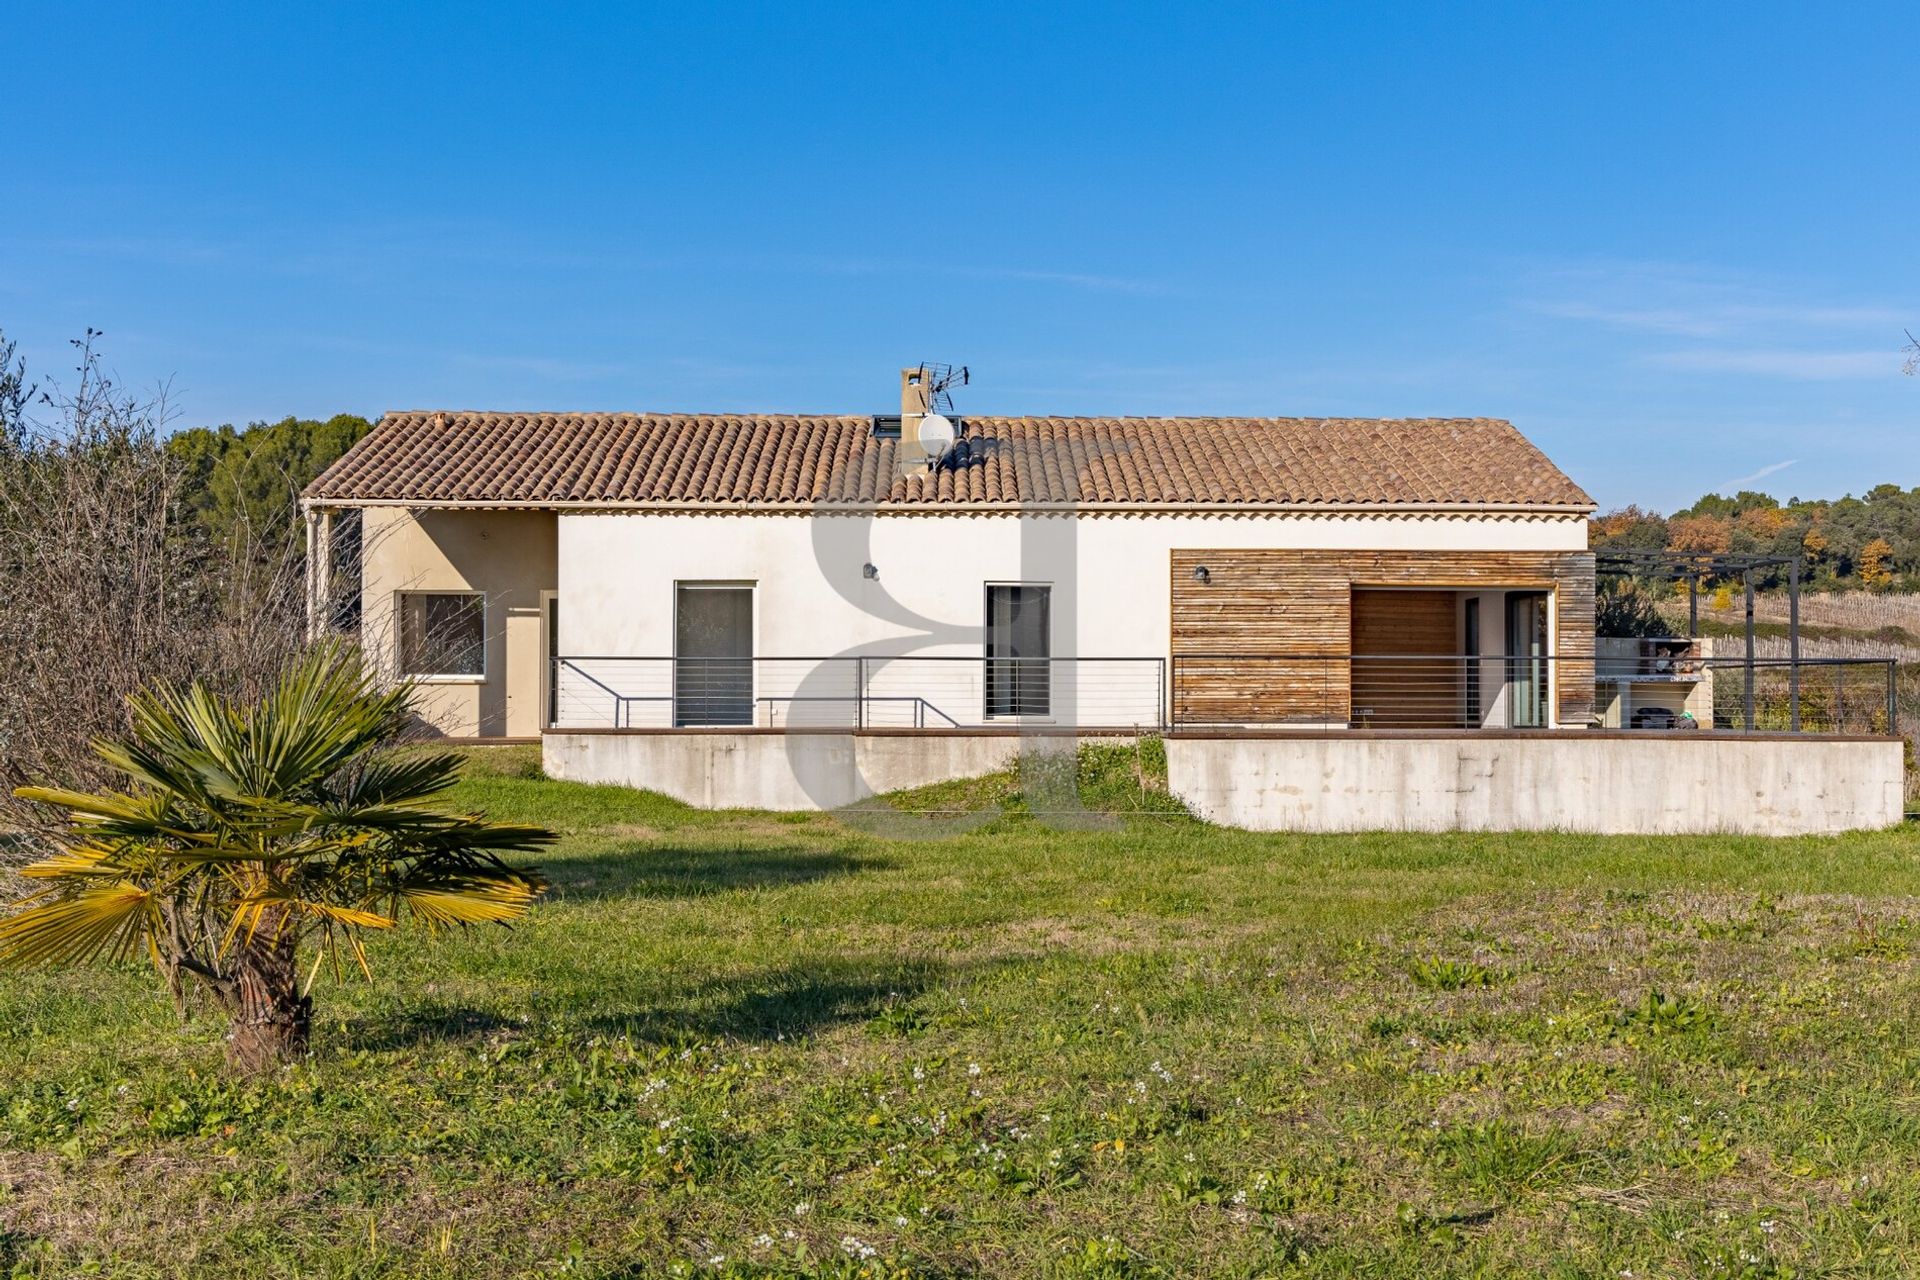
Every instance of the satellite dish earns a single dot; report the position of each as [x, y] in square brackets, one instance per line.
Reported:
[936, 433]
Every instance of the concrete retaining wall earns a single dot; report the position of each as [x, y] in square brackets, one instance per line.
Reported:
[786, 771]
[1620, 784]
[1337, 781]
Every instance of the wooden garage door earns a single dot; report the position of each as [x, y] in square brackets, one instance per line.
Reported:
[1405, 673]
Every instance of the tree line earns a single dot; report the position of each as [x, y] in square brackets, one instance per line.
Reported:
[237, 480]
[1868, 543]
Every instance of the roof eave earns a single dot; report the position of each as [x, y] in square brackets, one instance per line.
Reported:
[963, 508]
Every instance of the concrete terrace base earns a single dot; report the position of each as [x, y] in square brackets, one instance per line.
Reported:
[1334, 780]
[722, 769]
[1613, 783]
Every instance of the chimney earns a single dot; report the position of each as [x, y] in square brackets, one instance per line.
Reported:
[915, 398]
[916, 402]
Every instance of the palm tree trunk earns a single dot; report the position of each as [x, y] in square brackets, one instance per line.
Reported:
[271, 1020]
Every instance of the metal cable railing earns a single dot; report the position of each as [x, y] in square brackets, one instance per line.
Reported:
[862, 691]
[1306, 691]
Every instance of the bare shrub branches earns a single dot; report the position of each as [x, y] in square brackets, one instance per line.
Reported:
[109, 584]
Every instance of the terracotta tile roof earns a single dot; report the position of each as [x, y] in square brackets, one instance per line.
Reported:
[700, 460]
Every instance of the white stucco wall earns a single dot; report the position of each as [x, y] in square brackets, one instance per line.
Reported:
[617, 574]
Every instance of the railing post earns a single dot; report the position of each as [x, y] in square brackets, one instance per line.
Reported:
[1160, 691]
[1893, 696]
[860, 691]
[1793, 645]
[1748, 577]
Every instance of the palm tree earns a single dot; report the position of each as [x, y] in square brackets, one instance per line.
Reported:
[250, 831]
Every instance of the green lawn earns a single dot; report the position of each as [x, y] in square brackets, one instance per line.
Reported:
[752, 1044]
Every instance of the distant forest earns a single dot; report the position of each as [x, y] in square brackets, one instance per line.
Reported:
[1870, 543]
[237, 482]
[248, 477]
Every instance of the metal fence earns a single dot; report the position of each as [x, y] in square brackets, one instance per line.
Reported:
[1811, 695]
[875, 691]
[1365, 691]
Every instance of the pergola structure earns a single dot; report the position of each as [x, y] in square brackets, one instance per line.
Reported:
[1693, 567]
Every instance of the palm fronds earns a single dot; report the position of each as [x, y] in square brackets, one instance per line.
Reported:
[241, 821]
[73, 926]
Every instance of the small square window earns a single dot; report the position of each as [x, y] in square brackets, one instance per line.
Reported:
[443, 634]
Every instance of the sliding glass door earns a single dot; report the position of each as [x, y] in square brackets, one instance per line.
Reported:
[1528, 666]
[713, 654]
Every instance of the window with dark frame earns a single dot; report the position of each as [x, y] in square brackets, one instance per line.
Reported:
[713, 654]
[443, 633]
[1018, 651]
[1471, 668]
[1527, 660]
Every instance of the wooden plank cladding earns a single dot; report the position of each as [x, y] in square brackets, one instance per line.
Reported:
[1302, 603]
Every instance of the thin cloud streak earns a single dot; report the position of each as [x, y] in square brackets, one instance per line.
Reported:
[1771, 468]
[1799, 366]
[555, 369]
[1763, 329]
[1717, 321]
[1028, 275]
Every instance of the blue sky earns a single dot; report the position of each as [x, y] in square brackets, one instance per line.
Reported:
[1677, 245]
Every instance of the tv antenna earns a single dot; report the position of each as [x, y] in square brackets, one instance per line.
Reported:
[940, 380]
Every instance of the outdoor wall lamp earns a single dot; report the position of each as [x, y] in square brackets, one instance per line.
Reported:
[1201, 575]
[869, 571]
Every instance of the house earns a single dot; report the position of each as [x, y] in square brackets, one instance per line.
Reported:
[798, 611]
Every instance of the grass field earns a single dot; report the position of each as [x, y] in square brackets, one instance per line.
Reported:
[747, 1044]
